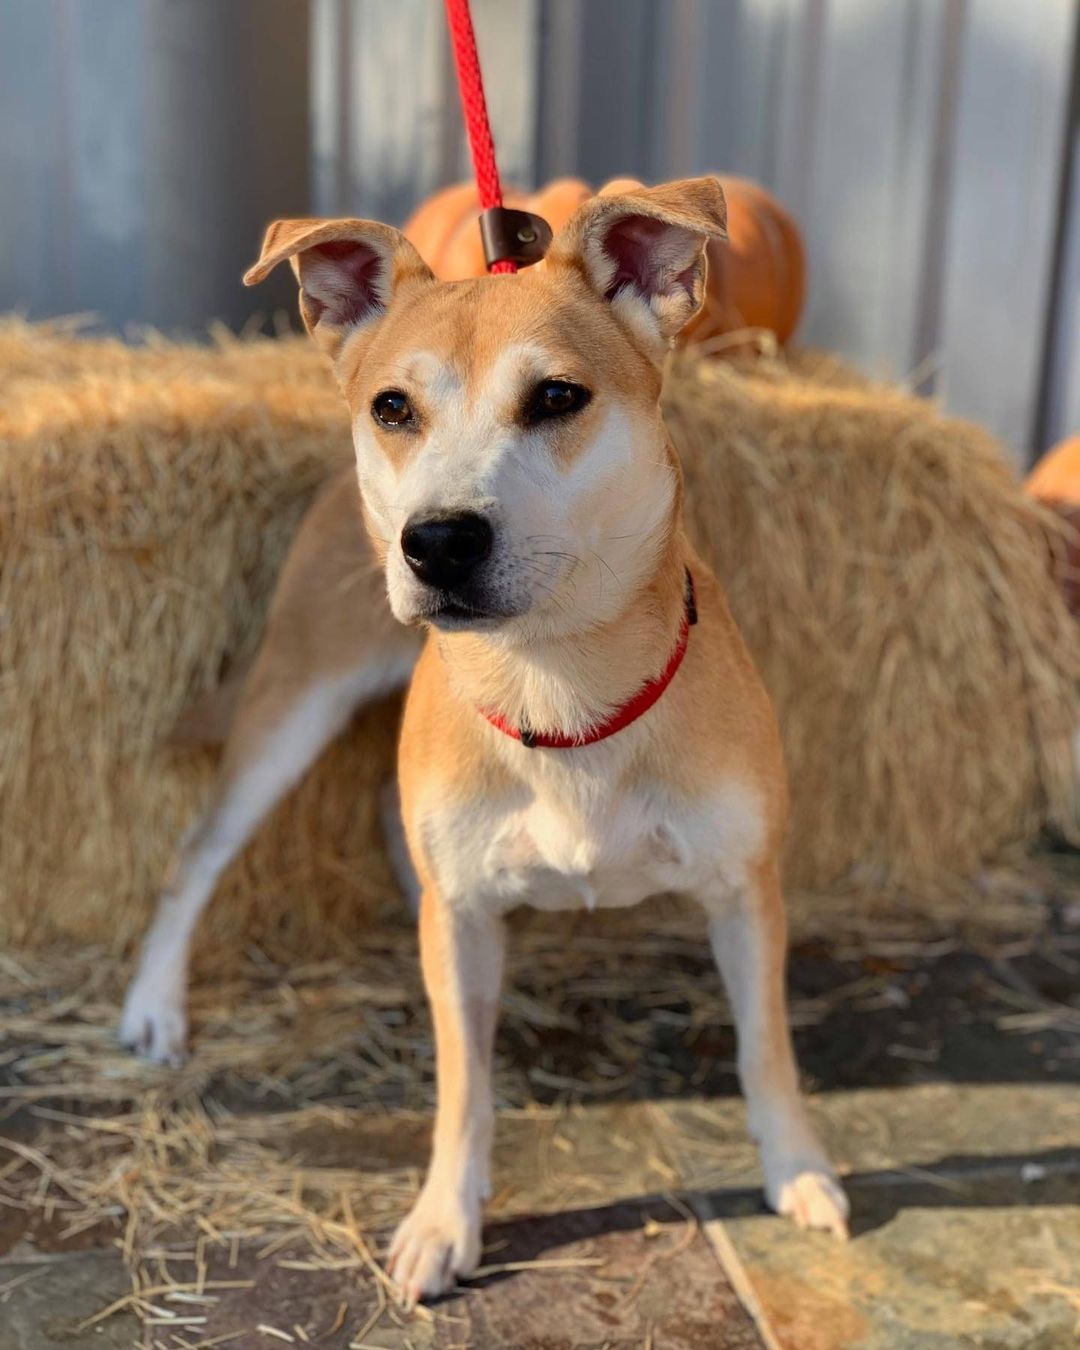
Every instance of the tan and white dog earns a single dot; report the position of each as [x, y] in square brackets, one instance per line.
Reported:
[523, 501]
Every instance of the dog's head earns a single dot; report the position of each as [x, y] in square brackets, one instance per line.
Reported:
[513, 466]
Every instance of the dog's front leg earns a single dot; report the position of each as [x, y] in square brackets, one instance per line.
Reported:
[461, 953]
[749, 939]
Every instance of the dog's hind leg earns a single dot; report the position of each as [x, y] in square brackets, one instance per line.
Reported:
[276, 737]
[330, 646]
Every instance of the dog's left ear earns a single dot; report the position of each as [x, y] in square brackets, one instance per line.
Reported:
[644, 252]
[348, 271]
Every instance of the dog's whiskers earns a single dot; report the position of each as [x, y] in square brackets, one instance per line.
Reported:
[605, 564]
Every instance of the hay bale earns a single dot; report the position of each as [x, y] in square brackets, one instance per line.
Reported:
[888, 574]
[891, 580]
[147, 496]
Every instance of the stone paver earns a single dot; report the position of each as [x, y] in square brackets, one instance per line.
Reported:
[965, 1225]
[43, 1300]
[621, 1276]
[965, 1231]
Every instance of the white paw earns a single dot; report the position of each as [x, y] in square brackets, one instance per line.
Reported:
[811, 1196]
[154, 1024]
[437, 1242]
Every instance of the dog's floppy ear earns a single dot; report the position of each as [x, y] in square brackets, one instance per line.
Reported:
[348, 270]
[644, 251]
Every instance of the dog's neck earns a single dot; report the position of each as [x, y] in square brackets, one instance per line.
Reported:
[575, 681]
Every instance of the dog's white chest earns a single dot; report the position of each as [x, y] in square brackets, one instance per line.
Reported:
[553, 858]
[562, 851]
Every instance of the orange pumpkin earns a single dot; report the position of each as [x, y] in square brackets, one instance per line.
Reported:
[1056, 477]
[1055, 481]
[757, 279]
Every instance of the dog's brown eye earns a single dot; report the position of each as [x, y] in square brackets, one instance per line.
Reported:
[392, 408]
[555, 398]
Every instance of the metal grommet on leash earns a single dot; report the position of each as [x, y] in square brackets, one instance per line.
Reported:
[512, 239]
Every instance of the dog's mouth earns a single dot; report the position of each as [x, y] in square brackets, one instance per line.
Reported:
[451, 612]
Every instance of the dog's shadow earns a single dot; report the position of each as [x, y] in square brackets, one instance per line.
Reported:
[959, 1181]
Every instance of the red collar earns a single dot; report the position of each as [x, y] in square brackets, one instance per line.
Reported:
[630, 711]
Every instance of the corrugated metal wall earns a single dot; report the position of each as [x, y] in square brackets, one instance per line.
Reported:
[923, 144]
[143, 146]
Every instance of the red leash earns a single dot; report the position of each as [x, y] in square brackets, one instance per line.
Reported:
[474, 106]
[512, 239]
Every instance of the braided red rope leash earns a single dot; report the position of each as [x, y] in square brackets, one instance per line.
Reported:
[471, 85]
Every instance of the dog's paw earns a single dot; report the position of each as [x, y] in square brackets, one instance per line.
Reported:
[154, 1024]
[812, 1197]
[438, 1242]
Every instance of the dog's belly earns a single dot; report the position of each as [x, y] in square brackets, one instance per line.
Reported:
[615, 854]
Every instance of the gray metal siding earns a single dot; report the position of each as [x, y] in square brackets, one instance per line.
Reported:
[920, 143]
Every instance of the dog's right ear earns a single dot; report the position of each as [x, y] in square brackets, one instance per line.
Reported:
[348, 271]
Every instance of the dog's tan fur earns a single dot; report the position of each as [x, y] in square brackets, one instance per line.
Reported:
[691, 797]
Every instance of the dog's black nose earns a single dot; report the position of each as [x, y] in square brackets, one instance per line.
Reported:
[444, 550]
